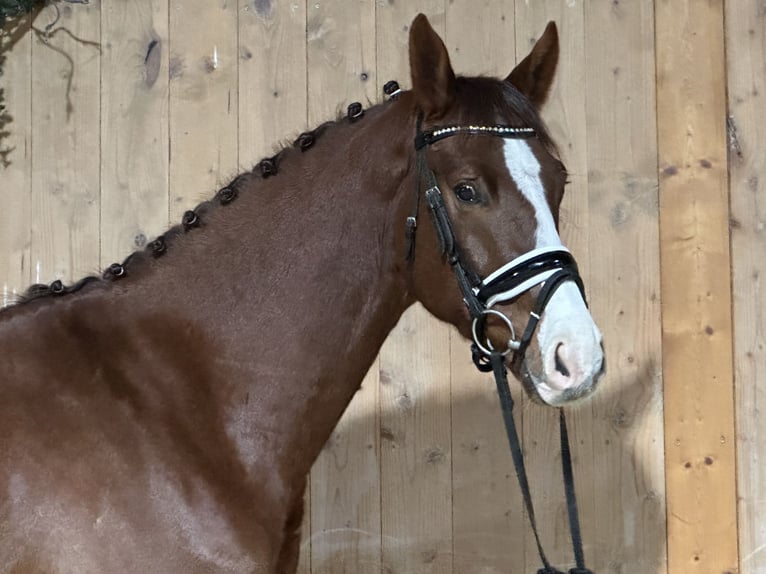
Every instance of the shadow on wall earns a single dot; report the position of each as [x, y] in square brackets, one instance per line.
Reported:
[441, 500]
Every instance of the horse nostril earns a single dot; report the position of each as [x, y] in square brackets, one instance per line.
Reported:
[560, 366]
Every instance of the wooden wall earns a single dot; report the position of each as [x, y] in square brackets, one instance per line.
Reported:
[746, 138]
[170, 98]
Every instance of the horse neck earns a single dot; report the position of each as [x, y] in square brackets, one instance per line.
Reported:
[285, 296]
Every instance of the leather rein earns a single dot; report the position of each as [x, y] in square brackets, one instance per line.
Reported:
[547, 267]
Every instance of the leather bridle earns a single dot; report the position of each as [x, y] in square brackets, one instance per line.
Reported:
[547, 267]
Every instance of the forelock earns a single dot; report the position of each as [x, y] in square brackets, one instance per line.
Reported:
[486, 100]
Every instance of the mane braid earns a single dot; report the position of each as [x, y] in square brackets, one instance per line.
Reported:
[485, 88]
[192, 218]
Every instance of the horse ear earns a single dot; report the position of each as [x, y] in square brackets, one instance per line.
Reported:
[533, 77]
[432, 76]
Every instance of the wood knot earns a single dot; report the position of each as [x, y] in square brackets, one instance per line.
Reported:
[387, 434]
[404, 401]
[435, 455]
[152, 62]
[670, 170]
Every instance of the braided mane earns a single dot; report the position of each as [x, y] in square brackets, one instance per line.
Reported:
[192, 218]
[476, 92]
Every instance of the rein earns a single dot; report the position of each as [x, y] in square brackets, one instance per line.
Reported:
[549, 267]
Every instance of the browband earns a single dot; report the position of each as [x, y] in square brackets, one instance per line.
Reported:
[424, 138]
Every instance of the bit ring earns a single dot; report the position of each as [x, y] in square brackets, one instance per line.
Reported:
[489, 349]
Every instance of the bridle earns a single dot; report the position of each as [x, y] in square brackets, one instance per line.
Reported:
[547, 267]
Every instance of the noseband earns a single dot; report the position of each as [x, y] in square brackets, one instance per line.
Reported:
[550, 267]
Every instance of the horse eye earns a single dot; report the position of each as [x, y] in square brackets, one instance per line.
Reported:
[467, 193]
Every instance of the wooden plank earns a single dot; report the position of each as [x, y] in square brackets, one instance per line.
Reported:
[65, 145]
[134, 125]
[203, 69]
[488, 520]
[341, 57]
[16, 161]
[345, 488]
[565, 114]
[273, 108]
[272, 77]
[475, 50]
[626, 476]
[696, 306]
[746, 69]
[416, 489]
[345, 480]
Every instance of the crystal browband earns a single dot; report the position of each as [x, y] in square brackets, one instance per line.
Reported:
[438, 133]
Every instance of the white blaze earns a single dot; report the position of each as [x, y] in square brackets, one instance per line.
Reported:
[525, 172]
[566, 319]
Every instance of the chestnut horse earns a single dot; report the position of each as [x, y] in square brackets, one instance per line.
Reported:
[163, 418]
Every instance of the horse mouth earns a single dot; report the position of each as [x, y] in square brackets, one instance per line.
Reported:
[542, 393]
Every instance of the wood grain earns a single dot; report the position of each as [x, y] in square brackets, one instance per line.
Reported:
[626, 475]
[746, 64]
[65, 146]
[88, 186]
[203, 102]
[16, 169]
[134, 125]
[696, 296]
[345, 487]
[272, 77]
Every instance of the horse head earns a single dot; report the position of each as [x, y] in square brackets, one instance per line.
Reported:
[493, 264]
